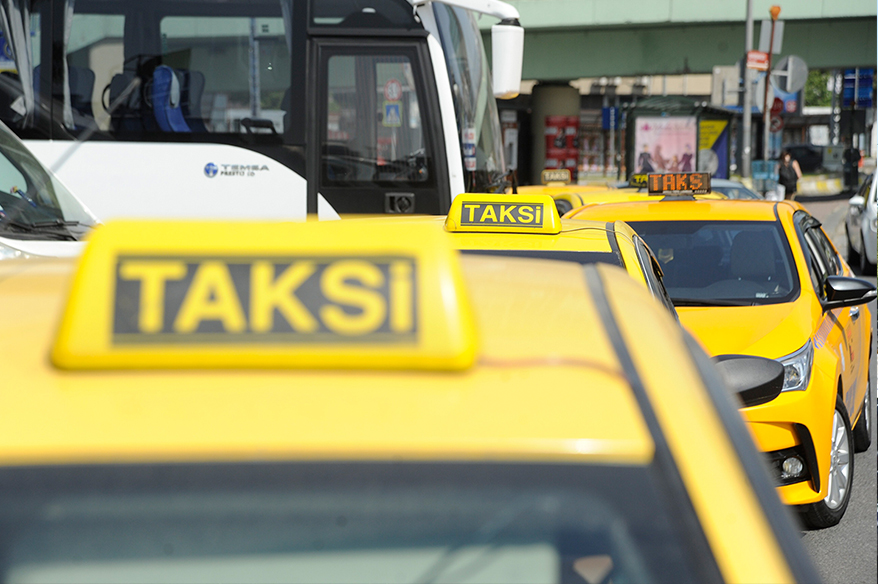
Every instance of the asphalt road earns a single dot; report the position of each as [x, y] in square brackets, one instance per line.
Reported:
[848, 552]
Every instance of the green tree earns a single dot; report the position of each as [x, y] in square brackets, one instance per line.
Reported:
[816, 92]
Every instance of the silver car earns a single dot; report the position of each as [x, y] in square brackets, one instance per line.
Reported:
[861, 225]
[733, 189]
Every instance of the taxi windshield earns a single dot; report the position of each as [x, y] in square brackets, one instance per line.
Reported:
[717, 263]
[343, 522]
[33, 203]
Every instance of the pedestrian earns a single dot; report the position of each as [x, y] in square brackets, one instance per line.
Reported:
[644, 161]
[789, 174]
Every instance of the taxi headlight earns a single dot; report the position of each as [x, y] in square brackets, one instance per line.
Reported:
[797, 368]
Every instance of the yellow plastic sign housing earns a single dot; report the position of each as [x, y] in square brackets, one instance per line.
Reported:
[484, 213]
[638, 180]
[555, 175]
[241, 295]
[687, 183]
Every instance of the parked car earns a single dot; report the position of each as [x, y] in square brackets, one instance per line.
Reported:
[860, 227]
[809, 156]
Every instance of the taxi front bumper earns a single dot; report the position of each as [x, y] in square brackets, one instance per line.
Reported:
[798, 422]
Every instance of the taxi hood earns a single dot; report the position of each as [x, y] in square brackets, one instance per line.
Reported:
[772, 330]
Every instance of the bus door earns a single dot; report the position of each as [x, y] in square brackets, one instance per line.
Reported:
[379, 143]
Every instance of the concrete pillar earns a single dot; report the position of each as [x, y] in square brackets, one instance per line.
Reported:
[548, 100]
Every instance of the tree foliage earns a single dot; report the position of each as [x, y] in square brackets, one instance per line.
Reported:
[816, 92]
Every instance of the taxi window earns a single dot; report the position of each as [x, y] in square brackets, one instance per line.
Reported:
[826, 254]
[652, 272]
[344, 522]
[815, 270]
[718, 263]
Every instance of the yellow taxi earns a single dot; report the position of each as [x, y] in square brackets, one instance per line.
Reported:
[341, 402]
[528, 226]
[762, 278]
[568, 196]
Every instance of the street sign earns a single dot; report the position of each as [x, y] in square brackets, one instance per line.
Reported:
[765, 36]
[790, 74]
[757, 60]
[776, 106]
[609, 118]
[861, 81]
[392, 90]
[776, 124]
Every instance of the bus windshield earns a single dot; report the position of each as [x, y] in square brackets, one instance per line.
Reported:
[474, 104]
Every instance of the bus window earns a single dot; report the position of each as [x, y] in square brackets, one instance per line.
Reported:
[201, 71]
[225, 86]
[373, 125]
[95, 53]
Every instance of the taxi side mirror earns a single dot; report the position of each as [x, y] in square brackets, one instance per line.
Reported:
[842, 291]
[754, 380]
[857, 201]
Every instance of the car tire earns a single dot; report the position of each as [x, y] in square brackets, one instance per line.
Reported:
[853, 256]
[866, 268]
[829, 511]
[863, 430]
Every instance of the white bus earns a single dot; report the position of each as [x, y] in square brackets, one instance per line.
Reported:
[255, 109]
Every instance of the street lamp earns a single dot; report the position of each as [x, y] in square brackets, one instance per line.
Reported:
[774, 11]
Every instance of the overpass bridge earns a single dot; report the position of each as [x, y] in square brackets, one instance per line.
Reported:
[572, 39]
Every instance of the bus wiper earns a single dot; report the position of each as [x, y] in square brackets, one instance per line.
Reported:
[46, 227]
[710, 302]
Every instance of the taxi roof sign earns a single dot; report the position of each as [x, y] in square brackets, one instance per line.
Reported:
[485, 213]
[685, 183]
[556, 175]
[638, 180]
[151, 295]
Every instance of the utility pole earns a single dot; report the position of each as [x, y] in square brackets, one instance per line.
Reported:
[766, 112]
[746, 153]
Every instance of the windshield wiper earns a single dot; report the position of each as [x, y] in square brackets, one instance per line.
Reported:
[45, 227]
[710, 302]
[59, 223]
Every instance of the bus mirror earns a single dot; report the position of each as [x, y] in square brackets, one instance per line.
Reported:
[507, 48]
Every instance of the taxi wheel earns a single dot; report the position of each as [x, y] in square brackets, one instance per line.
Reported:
[863, 429]
[830, 510]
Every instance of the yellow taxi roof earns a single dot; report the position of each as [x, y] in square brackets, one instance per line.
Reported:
[540, 388]
[575, 235]
[699, 209]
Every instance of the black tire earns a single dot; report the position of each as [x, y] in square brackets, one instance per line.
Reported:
[866, 268]
[853, 256]
[830, 510]
[863, 430]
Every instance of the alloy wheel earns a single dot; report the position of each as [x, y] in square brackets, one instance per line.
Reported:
[839, 464]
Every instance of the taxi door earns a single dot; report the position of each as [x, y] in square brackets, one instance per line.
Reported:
[841, 329]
